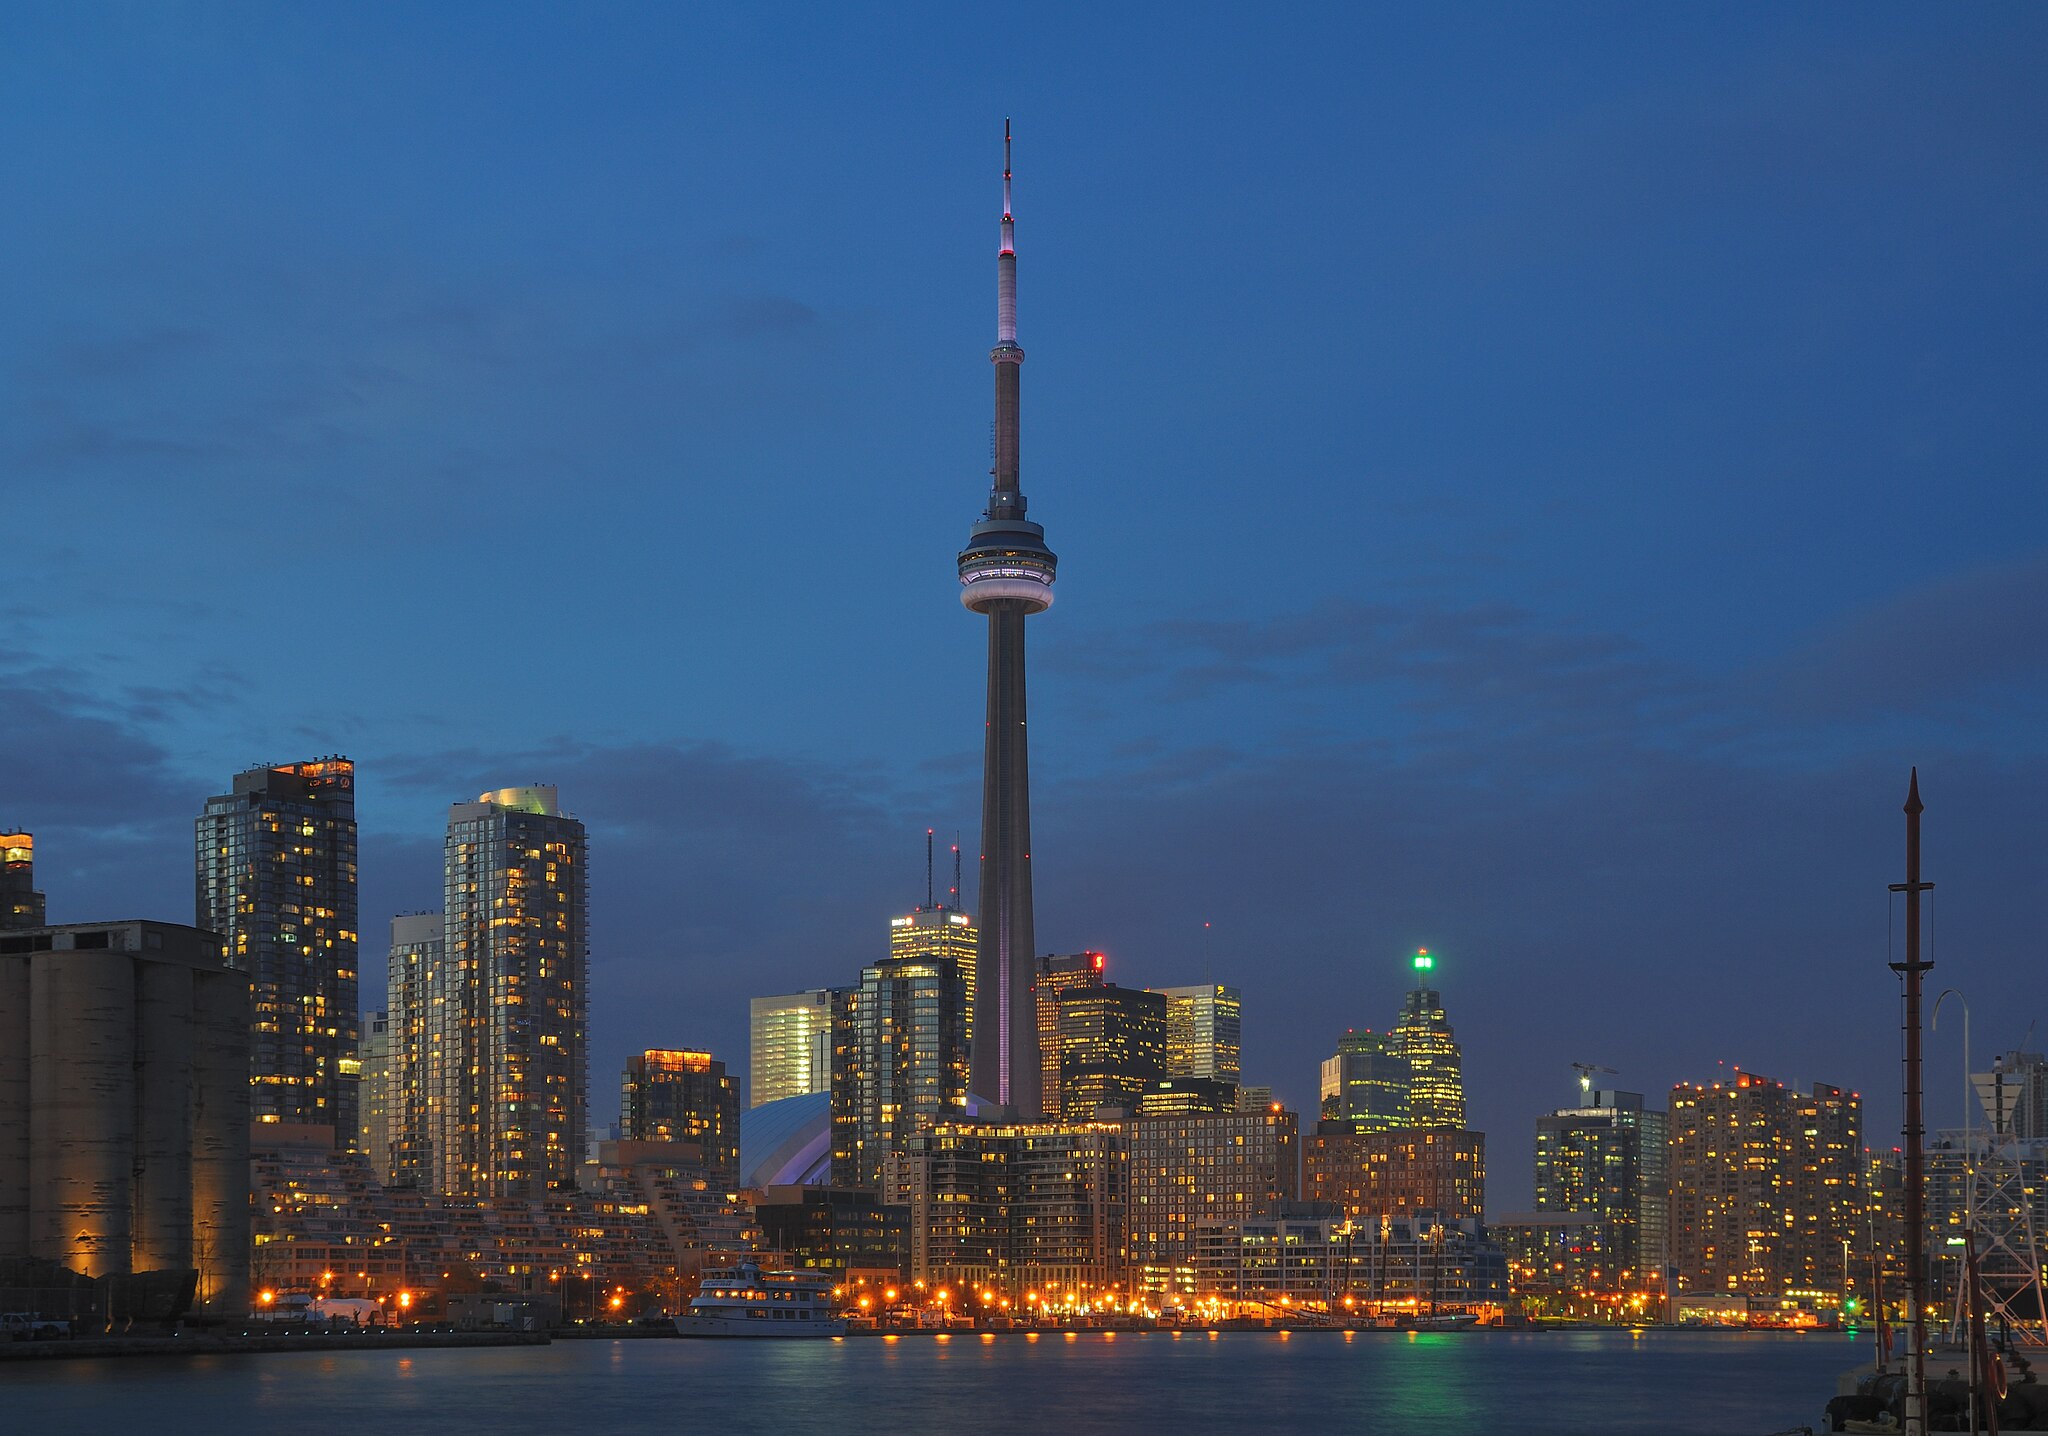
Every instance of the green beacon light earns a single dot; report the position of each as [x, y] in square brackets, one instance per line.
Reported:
[1423, 961]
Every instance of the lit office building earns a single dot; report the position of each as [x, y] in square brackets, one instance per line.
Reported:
[789, 1046]
[939, 932]
[672, 1096]
[1766, 1187]
[1374, 1174]
[1112, 1046]
[1366, 1085]
[124, 1105]
[506, 1115]
[1202, 1032]
[373, 1092]
[421, 1079]
[1186, 1170]
[1609, 1158]
[1436, 1088]
[1177, 1096]
[276, 878]
[899, 1062]
[1034, 1211]
[21, 906]
[1057, 973]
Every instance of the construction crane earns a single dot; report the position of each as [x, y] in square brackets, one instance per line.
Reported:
[1586, 1071]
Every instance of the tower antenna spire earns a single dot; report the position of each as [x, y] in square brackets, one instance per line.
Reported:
[956, 872]
[928, 868]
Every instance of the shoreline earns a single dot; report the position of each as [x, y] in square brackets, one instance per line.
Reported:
[210, 1344]
[238, 1344]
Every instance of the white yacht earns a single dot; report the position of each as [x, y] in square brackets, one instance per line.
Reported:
[746, 1301]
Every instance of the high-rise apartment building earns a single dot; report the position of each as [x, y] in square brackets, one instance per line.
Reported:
[510, 1012]
[1436, 1084]
[276, 878]
[1367, 1084]
[899, 1062]
[1035, 1211]
[940, 932]
[1112, 1047]
[124, 1105]
[1203, 1026]
[373, 1092]
[1187, 1170]
[1057, 972]
[789, 1045]
[1766, 1186]
[1608, 1158]
[21, 906]
[681, 1096]
[1373, 1174]
[423, 1080]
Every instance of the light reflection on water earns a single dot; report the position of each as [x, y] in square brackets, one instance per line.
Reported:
[1526, 1384]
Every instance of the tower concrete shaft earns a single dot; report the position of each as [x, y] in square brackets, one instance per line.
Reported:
[1006, 572]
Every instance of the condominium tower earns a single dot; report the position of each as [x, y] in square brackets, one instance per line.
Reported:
[1608, 1157]
[669, 1095]
[276, 879]
[509, 1013]
[899, 1061]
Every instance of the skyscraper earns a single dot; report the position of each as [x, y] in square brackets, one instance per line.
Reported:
[276, 878]
[789, 1045]
[938, 931]
[680, 1096]
[1367, 1084]
[1436, 1087]
[1202, 1031]
[1112, 1047]
[20, 904]
[899, 1062]
[1058, 972]
[1608, 1158]
[510, 1012]
[423, 1080]
[1006, 572]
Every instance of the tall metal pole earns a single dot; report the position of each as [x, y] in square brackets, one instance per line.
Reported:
[1912, 969]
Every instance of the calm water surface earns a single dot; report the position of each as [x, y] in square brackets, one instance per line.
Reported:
[1550, 1384]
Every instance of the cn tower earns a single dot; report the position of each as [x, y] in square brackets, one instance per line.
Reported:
[1006, 572]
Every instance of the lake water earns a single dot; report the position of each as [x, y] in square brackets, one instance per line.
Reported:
[1524, 1384]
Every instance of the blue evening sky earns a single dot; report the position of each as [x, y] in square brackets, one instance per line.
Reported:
[1528, 482]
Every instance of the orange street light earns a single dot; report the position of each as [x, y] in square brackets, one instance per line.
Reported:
[266, 1296]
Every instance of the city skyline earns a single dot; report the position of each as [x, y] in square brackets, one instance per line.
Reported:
[1644, 501]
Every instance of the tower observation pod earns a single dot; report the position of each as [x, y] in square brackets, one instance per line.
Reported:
[1006, 572]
